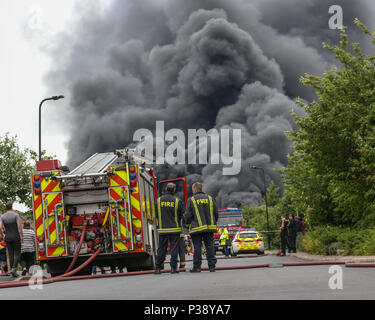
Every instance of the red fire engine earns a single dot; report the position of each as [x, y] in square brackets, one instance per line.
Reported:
[230, 218]
[106, 204]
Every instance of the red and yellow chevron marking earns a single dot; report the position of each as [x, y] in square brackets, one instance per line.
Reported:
[136, 208]
[50, 200]
[116, 192]
[38, 215]
[153, 212]
[50, 191]
[119, 178]
[48, 185]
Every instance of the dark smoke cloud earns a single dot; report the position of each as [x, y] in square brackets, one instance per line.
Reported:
[196, 64]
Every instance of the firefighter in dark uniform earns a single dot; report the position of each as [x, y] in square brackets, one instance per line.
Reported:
[170, 211]
[201, 214]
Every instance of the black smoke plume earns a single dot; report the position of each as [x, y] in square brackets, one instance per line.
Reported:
[196, 64]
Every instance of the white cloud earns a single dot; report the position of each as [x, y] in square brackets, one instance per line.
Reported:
[25, 28]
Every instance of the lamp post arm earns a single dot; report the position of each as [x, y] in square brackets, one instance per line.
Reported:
[40, 127]
[40, 122]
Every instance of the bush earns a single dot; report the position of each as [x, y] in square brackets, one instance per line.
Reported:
[330, 240]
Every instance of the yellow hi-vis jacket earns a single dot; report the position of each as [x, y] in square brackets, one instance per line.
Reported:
[224, 237]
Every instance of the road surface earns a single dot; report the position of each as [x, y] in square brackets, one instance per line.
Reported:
[290, 283]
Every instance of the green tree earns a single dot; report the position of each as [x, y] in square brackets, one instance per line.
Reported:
[273, 194]
[331, 173]
[16, 165]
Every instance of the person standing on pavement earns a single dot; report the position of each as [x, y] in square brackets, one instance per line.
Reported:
[283, 236]
[292, 234]
[224, 241]
[202, 214]
[303, 224]
[298, 222]
[28, 248]
[10, 221]
[299, 229]
[169, 216]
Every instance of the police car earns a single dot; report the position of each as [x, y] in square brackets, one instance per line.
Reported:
[247, 241]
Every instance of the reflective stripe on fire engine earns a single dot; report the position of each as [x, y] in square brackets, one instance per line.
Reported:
[117, 194]
[44, 215]
[49, 185]
[120, 179]
[118, 190]
[38, 215]
[50, 202]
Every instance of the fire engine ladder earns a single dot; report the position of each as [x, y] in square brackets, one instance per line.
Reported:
[117, 237]
[95, 164]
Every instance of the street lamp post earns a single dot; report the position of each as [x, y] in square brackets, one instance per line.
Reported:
[265, 199]
[40, 120]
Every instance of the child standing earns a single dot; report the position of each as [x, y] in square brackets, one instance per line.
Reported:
[3, 256]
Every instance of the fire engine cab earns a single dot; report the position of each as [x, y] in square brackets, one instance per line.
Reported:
[230, 218]
[106, 203]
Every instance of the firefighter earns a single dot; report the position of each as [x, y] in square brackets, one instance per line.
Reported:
[224, 241]
[201, 215]
[170, 210]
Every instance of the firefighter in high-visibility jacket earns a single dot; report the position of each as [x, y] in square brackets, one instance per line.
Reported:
[201, 214]
[224, 241]
[169, 215]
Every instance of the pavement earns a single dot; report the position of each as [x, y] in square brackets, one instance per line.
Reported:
[315, 257]
[312, 257]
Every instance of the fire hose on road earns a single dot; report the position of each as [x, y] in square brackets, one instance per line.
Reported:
[51, 280]
[77, 250]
